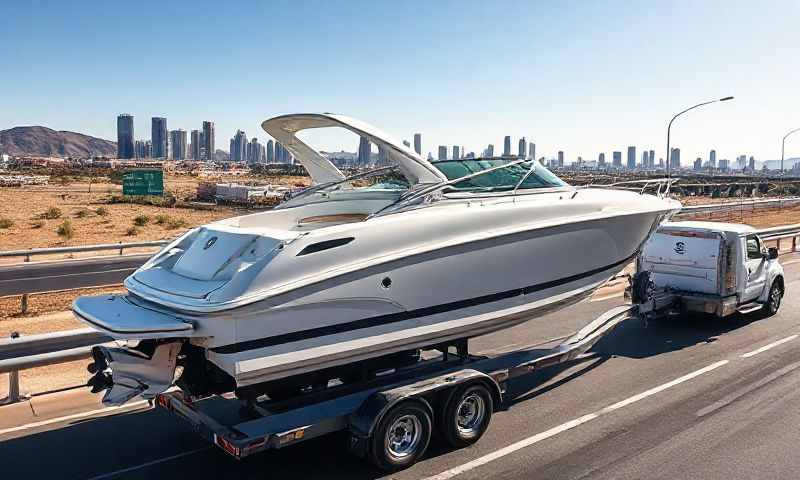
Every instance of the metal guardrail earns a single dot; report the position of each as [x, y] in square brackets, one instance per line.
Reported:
[85, 248]
[33, 351]
[752, 204]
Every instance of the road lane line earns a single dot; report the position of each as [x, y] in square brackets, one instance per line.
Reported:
[569, 425]
[75, 416]
[767, 347]
[150, 464]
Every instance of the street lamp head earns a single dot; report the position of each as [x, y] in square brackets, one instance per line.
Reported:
[725, 99]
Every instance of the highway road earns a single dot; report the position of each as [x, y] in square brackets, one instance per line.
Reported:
[696, 398]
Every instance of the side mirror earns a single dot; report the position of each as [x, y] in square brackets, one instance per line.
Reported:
[772, 253]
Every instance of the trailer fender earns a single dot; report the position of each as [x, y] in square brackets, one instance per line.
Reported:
[363, 421]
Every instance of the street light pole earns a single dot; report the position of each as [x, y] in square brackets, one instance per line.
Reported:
[669, 127]
[783, 146]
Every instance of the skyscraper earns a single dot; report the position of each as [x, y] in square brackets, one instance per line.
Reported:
[178, 141]
[140, 149]
[208, 140]
[560, 158]
[675, 158]
[490, 150]
[456, 152]
[364, 151]
[631, 158]
[270, 152]
[521, 148]
[752, 164]
[507, 146]
[644, 159]
[195, 145]
[532, 151]
[383, 159]
[616, 159]
[418, 143]
[239, 147]
[158, 137]
[652, 160]
[442, 152]
[712, 159]
[125, 136]
[601, 160]
[255, 152]
[698, 164]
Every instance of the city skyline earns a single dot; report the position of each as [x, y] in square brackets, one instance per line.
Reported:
[554, 105]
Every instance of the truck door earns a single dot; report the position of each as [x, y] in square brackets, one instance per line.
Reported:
[755, 268]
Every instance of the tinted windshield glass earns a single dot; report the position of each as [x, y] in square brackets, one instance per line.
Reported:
[498, 180]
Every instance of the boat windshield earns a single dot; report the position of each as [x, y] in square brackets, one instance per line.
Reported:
[384, 182]
[516, 175]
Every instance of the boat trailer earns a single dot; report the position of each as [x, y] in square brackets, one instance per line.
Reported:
[389, 418]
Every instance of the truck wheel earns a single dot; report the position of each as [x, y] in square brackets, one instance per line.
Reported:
[401, 437]
[774, 299]
[466, 415]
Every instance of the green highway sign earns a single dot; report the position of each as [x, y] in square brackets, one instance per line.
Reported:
[143, 182]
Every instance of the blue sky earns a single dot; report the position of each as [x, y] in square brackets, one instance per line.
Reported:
[580, 76]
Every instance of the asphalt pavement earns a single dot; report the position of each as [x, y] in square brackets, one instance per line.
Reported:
[684, 397]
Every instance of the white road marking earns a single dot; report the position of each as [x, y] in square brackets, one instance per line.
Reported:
[148, 464]
[767, 347]
[75, 416]
[569, 425]
[790, 262]
[607, 297]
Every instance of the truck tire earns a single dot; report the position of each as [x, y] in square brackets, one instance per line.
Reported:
[401, 437]
[774, 298]
[466, 416]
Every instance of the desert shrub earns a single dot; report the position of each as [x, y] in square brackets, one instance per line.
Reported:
[65, 230]
[6, 222]
[174, 223]
[162, 219]
[132, 231]
[101, 211]
[82, 213]
[37, 224]
[141, 220]
[51, 213]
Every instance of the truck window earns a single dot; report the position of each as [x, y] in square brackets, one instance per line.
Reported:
[753, 248]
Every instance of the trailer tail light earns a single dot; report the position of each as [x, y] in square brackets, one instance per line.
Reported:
[224, 444]
[163, 401]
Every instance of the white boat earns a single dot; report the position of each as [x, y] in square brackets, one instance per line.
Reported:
[370, 267]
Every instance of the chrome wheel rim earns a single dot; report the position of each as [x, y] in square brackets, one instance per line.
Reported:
[403, 436]
[470, 414]
[776, 298]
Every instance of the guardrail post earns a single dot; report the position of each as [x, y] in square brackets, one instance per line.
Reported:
[120, 248]
[794, 244]
[778, 244]
[13, 383]
[28, 257]
[24, 303]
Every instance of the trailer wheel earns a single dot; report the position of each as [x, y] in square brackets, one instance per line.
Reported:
[401, 437]
[466, 415]
[774, 299]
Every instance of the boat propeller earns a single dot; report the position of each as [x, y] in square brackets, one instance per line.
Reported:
[101, 378]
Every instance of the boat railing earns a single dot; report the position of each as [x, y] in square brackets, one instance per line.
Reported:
[663, 185]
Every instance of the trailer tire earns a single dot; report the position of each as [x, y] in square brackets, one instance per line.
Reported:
[466, 415]
[401, 436]
[774, 298]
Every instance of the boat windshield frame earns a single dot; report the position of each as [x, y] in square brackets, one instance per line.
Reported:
[328, 185]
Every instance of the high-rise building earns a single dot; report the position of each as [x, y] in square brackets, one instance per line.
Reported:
[148, 149]
[456, 152]
[239, 147]
[521, 148]
[125, 136]
[631, 158]
[442, 152]
[712, 159]
[364, 151]
[196, 143]
[560, 158]
[270, 152]
[675, 158]
[644, 159]
[178, 141]
[158, 137]
[616, 159]
[383, 158]
[698, 164]
[601, 160]
[724, 165]
[507, 146]
[489, 151]
[463, 151]
[208, 140]
[418, 143]
[140, 149]
[752, 164]
[652, 160]
[532, 151]
[255, 152]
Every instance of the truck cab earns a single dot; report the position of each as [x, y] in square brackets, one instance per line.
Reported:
[711, 267]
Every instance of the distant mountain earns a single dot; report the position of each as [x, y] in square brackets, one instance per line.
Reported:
[46, 142]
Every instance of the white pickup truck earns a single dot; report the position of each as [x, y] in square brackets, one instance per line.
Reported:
[716, 268]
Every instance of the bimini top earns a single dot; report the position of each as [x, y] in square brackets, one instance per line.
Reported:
[285, 127]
